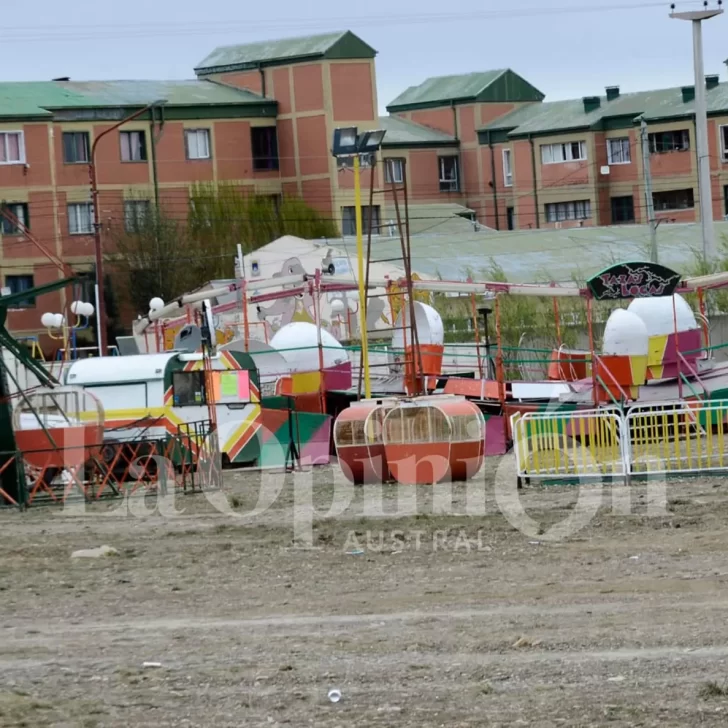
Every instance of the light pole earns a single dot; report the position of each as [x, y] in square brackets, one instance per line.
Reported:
[349, 144]
[100, 304]
[701, 123]
[57, 321]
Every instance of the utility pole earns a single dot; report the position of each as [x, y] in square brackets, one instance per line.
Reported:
[701, 124]
[100, 301]
[649, 200]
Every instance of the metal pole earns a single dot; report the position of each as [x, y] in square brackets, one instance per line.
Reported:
[98, 317]
[649, 200]
[701, 126]
[701, 134]
[101, 305]
[368, 260]
[360, 267]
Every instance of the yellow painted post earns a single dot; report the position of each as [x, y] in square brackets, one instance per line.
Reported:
[721, 423]
[360, 266]
[613, 436]
[688, 441]
[709, 434]
[582, 439]
[676, 437]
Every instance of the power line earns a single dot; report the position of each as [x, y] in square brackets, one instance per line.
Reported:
[130, 31]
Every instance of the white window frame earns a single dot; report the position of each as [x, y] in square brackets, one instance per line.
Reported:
[610, 152]
[14, 208]
[72, 210]
[724, 142]
[561, 152]
[454, 182]
[133, 215]
[572, 210]
[507, 168]
[21, 145]
[195, 133]
[126, 133]
[395, 164]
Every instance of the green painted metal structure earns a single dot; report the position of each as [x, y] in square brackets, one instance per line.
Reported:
[404, 134]
[603, 113]
[499, 86]
[12, 477]
[327, 46]
[112, 100]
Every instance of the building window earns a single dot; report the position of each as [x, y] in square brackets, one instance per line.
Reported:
[80, 218]
[135, 213]
[393, 171]
[507, 168]
[622, 209]
[348, 220]
[18, 284]
[264, 141]
[19, 210]
[559, 211]
[674, 200]
[133, 146]
[12, 147]
[197, 143]
[557, 153]
[619, 151]
[669, 141]
[724, 142]
[75, 147]
[449, 174]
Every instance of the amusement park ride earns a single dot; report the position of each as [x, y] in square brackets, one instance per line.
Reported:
[294, 400]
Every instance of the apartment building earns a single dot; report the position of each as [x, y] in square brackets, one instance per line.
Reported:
[559, 164]
[260, 116]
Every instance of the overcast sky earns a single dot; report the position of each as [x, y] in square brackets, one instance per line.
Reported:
[565, 48]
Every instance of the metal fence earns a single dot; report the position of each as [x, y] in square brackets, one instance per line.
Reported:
[188, 461]
[570, 444]
[666, 438]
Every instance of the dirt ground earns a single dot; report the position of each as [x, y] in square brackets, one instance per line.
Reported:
[421, 616]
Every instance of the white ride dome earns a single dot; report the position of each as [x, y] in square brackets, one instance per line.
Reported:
[625, 335]
[659, 317]
[430, 329]
[298, 345]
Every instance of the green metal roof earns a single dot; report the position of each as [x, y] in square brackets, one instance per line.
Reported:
[39, 98]
[30, 99]
[177, 93]
[404, 133]
[554, 116]
[487, 86]
[343, 44]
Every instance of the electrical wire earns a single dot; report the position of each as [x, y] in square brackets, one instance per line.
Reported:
[131, 31]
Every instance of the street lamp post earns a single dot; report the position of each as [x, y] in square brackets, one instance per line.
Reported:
[100, 304]
[349, 144]
[701, 123]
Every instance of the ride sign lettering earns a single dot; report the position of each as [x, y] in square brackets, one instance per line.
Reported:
[634, 280]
